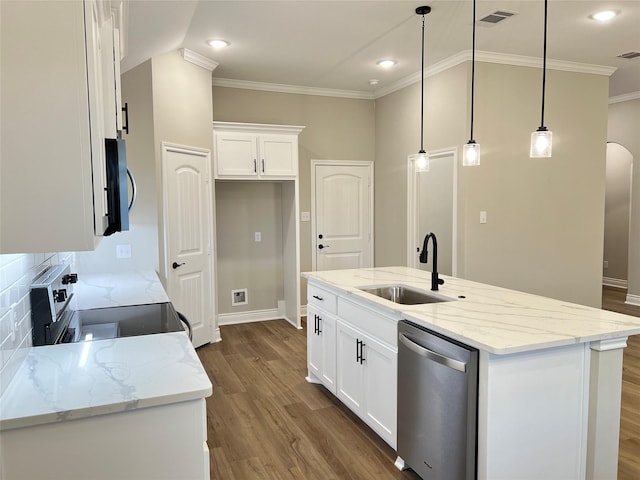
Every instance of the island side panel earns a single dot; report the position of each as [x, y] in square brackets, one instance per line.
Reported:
[605, 394]
[533, 414]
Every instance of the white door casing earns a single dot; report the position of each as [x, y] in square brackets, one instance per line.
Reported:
[188, 222]
[342, 214]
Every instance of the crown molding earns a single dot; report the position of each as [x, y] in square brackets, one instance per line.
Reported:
[446, 64]
[492, 57]
[197, 59]
[624, 98]
[297, 89]
[257, 127]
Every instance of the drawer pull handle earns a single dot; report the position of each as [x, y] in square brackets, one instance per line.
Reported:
[318, 298]
[360, 351]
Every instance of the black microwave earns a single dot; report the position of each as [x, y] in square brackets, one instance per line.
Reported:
[118, 205]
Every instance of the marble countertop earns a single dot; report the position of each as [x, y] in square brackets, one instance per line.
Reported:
[57, 383]
[493, 319]
[98, 290]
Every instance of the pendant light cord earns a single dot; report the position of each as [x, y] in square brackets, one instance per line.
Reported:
[422, 94]
[473, 68]
[544, 64]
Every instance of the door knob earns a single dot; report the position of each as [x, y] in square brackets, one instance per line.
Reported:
[176, 265]
[321, 246]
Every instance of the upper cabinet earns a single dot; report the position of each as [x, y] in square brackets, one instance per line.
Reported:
[59, 64]
[255, 151]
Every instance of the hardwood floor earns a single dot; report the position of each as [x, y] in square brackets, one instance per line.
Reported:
[266, 422]
[629, 455]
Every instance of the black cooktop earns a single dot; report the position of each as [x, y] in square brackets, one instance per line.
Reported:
[128, 321]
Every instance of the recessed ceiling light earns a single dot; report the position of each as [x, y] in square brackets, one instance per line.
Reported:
[386, 63]
[604, 15]
[373, 82]
[218, 44]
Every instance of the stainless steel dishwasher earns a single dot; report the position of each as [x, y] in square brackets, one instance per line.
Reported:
[437, 404]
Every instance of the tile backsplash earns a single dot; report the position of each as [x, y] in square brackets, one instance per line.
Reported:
[17, 272]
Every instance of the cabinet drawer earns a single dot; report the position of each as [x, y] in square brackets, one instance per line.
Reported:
[321, 298]
[378, 326]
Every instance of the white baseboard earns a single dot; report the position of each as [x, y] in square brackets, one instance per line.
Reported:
[633, 300]
[614, 282]
[248, 317]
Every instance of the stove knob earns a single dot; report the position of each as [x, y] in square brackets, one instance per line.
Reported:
[70, 278]
[60, 295]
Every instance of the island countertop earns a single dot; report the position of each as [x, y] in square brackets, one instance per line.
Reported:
[497, 320]
[57, 383]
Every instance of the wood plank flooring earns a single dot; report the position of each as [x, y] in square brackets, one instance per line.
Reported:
[266, 422]
[629, 454]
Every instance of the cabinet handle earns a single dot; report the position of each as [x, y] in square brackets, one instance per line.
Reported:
[125, 109]
[255, 166]
[358, 354]
[315, 324]
[263, 165]
[362, 345]
[319, 324]
[318, 298]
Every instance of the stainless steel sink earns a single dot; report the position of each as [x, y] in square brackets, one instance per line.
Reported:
[404, 295]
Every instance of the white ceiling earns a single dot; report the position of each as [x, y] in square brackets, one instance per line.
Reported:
[334, 45]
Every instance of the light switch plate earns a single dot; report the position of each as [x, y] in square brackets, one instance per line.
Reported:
[258, 236]
[483, 217]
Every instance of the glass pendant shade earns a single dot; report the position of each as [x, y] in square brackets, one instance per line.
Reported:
[420, 161]
[541, 143]
[471, 154]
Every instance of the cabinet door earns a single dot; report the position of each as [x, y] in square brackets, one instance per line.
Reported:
[321, 346]
[236, 154]
[278, 155]
[380, 389]
[349, 370]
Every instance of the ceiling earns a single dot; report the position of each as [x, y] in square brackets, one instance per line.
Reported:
[329, 44]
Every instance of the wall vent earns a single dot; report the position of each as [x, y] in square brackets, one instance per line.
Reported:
[495, 17]
[629, 55]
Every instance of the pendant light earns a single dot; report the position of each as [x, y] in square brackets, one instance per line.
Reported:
[541, 139]
[471, 151]
[421, 159]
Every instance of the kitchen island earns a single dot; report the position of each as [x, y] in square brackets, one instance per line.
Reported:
[130, 407]
[549, 376]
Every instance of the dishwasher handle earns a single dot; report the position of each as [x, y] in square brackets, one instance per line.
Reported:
[431, 355]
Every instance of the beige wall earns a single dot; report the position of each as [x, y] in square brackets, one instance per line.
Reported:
[545, 217]
[624, 125]
[143, 227]
[335, 129]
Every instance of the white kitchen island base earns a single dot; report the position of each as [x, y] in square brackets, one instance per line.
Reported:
[549, 374]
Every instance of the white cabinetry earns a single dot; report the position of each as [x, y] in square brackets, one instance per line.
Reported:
[361, 351]
[167, 441]
[52, 173]
[321, 342]
[255, 151]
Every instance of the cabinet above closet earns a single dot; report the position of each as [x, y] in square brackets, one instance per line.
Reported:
[252, 151]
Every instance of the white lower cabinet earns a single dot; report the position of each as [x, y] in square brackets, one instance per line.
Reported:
[321, 346]
[367, 380]
[163, 442]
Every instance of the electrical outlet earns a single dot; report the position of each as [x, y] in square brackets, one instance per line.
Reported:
[605, 264]
[258, 236]
[123, 251]
[305, 216]
[483, 217]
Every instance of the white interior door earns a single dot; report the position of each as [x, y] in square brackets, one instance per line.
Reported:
[342, 206]
[432, 207]
[188, 236]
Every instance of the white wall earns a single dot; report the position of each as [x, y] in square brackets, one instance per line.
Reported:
[16, 276]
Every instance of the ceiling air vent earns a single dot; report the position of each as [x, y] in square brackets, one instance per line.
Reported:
[629, 55]
[495, 17]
